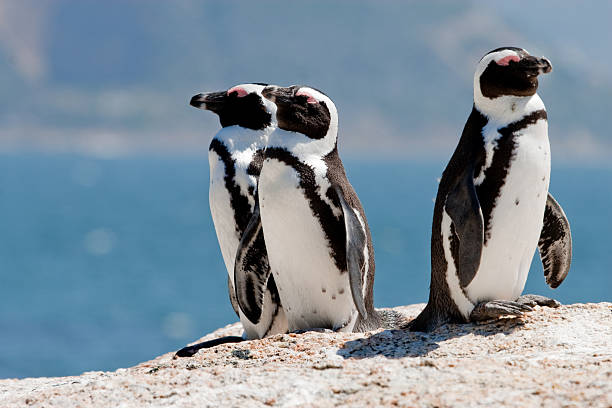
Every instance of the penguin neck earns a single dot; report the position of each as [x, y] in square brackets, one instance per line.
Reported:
[508, 108]
[238, 138]
[302, 146]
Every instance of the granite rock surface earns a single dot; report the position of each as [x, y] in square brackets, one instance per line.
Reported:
[550, 357]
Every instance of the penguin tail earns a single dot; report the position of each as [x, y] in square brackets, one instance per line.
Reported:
[392, 319]
[387, 319]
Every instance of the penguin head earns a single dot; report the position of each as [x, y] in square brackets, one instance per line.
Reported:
[241, 105]
[304, 110]
[508, 71]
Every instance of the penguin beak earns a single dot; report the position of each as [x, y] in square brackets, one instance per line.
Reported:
[535, 66]
[212, 101]
[278, 95]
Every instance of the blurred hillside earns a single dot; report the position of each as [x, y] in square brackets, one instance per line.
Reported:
[115, 77]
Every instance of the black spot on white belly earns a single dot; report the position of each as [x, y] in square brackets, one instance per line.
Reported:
[516, 202]
[341, 291]
[323, 290]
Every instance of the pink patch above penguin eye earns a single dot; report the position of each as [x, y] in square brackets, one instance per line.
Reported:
[310, 99]
[239, 91]
[506, 60]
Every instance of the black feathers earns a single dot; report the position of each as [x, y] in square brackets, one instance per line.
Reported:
[555, 243]
[332, 226]
[495, 176]
[296, 114]
[240, 203]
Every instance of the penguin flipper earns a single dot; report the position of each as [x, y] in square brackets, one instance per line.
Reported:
[463, 207]
[251, 269]
[232, 296]
[356, 242]
[555, 244]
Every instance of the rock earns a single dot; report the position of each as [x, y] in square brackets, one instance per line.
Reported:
[550, 357]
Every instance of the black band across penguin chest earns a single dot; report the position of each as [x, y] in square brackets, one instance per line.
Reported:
[240, 204]
[332, 226]
[496, 174]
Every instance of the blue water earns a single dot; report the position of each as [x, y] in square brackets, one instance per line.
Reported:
[106, 263]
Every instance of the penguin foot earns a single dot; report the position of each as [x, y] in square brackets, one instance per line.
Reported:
[537, 300]
[495, 309]
[191, 350]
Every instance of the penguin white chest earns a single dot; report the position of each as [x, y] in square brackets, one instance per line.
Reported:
[221, 202]
[516, 218]
[219, 199]
[314, 293]
[223, 214]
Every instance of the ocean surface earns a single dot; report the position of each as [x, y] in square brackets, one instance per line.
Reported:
[107, 263]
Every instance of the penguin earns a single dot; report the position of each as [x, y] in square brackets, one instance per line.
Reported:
[493, 207]
[316, 232]
[235, 157]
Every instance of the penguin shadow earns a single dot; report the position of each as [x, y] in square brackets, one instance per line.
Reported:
[404, 343]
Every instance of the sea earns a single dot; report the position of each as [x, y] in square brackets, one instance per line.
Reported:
[105, 263]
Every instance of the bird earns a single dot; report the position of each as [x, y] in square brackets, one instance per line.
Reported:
[235, 158]
[316, 232]
[493, 207]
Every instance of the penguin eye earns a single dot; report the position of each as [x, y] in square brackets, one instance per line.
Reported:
[240, 92]
[506, 60]
[309, 98]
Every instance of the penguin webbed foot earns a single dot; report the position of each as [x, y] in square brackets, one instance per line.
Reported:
[189, 351]
[495, 309]
[537, 300]
[428, 320]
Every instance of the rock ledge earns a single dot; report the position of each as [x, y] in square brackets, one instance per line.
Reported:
[550, 357]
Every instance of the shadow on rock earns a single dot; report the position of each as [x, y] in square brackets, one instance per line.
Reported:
[403, 343]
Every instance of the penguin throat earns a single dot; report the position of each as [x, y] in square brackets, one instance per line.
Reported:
[507, 108]
[301, 145]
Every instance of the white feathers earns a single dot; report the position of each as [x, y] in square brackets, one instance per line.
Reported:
[242, 144]
[516, 219]
[311, 151]
[312, 291]
[304, 148]
[502, 109]
[489, 137]
[366, 254]
[222, 213]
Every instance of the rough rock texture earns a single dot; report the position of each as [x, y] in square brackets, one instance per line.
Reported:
[551, 357]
